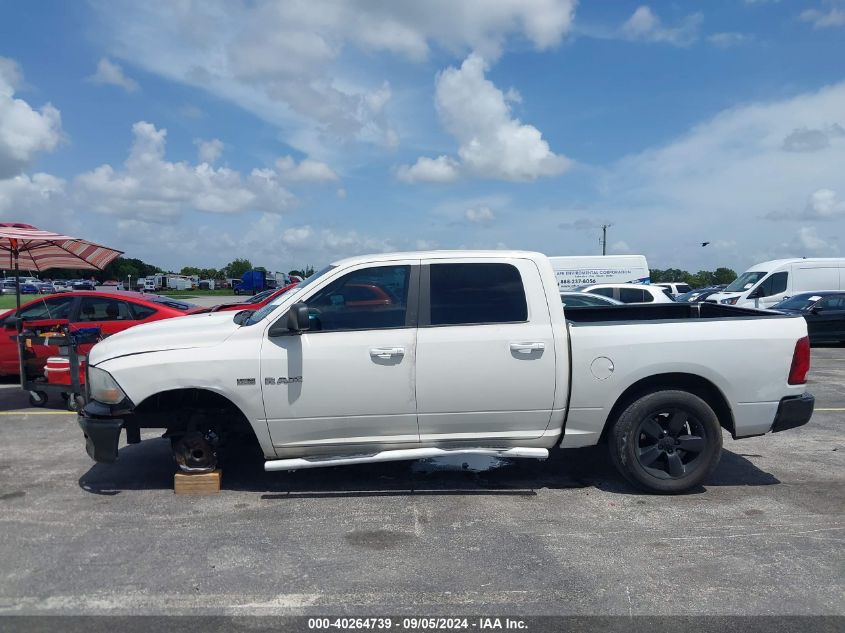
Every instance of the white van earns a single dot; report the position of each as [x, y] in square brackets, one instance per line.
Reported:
[763, 285]
[588, 270]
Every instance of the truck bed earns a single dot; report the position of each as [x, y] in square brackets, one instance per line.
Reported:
[662, 312]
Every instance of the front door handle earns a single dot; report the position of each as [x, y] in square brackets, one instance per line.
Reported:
[527, 348]
[387, 352]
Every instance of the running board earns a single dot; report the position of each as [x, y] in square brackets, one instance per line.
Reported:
[403, 454]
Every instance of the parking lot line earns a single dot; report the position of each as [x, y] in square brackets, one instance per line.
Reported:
[25, 412]
[829, 409]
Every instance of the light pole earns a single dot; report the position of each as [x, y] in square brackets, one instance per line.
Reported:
[603, 238]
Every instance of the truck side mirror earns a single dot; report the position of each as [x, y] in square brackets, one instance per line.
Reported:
[298, 317]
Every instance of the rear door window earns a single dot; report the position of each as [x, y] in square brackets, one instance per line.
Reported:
[464, 294]
[633, 295]
[142, 312]
[604, 292]
[103, 309]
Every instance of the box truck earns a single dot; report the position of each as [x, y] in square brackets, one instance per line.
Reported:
[573, 271]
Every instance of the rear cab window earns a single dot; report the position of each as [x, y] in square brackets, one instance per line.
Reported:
[475, 293]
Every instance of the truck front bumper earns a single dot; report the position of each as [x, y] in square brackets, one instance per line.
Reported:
[101, 424]
[793, 412]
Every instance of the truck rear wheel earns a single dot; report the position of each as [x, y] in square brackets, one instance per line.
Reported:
[666, 442]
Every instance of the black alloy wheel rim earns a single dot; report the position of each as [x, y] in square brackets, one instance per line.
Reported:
[670, 443]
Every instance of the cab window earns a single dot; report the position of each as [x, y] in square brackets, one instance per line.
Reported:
[831, 302]
[772, 285]
[367, 299]
[55, 308]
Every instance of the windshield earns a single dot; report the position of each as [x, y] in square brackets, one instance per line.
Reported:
[745, 281]
[799, 302]
[258, 315]
[170, 303]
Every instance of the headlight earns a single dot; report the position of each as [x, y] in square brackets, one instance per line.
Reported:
[730, 301]
[103, 388]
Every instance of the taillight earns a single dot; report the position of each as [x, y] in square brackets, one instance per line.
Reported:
[800, 362]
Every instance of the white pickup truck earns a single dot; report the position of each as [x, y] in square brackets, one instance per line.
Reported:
[413, 355]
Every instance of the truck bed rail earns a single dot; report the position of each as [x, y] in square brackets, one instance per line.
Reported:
[662, 312]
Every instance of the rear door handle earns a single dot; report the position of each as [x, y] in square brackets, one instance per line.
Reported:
[527, 348]
[387, 352]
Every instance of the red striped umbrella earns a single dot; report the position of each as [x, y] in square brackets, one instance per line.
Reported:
[33, 249]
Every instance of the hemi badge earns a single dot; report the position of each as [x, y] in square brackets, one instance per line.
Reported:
[246, 381]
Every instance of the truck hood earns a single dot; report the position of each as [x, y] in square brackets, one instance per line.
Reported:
[201, 330]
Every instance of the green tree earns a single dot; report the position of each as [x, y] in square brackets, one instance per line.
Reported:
[723, 275]
[701, 279]
[303, 272]
[237, 268]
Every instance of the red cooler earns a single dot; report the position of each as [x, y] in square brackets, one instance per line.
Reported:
[57, 371]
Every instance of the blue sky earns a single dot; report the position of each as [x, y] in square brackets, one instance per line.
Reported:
[299, 132]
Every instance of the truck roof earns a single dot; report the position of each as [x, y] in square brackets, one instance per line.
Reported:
[386, 257]
[775, 263]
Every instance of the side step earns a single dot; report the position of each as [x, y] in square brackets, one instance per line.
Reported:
[403, 454]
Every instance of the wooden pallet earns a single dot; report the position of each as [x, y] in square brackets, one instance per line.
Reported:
[197, 483]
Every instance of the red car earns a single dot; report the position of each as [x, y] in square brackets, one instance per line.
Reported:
[112, 312]
[253, 303]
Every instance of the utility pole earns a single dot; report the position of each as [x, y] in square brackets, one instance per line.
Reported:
[603, 238]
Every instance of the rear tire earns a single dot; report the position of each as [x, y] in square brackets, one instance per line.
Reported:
[38, 398]
[666, 442]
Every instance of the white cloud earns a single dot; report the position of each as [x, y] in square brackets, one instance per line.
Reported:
[283, 60]
[482, 215]
[298, 235]
[341, 193]
[209, 151]
[645, 26]
[307, 170]
[620, 248]
[40, 200]
[492, 144]
[821, 19]
[808, 242]
[728, 39]
[824, 204]
[729, 171]
[150, 187]
[441, 169]
[110, 73]
[24, 132]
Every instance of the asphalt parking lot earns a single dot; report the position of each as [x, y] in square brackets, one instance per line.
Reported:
[565, 536]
